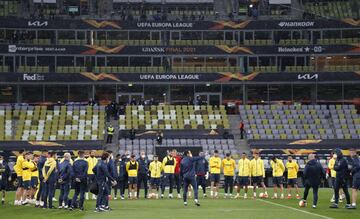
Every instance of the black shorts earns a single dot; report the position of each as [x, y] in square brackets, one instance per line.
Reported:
[132, 180]
[34, 182]
[257, 180]
[20, 182]
[278, 180]
[356, 183]
[215, 178]
[243, 180]
[292, 182]
[155, 181]
[3, 184]
[27, 184]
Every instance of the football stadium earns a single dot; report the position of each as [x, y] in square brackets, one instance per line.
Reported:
[179, 109]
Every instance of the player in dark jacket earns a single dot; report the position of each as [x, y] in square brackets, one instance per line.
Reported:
[313, 174]
[103, 177]
[80, 168]
[112, 171]
[201, 170]
[143, 173]
[39, 192]
[120, 167]
[4, 177]
[342, 171]
[187, 171]
[355, 172]
[65, 174]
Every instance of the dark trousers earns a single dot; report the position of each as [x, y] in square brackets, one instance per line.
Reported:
[40, 191]
[341, 183]
[109, 139]
[80, 189]
[49, 188]
[102, 197]
[190, 181]
[201, 181]
[228, 184]
[242, 133]
[315, 192]
[121, 185]
[168, 177]
[64, 193]
[142, 179]
[178, 182]
[90, 180]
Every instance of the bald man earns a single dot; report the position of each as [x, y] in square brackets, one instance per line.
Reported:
[313, 174]
[65, 169]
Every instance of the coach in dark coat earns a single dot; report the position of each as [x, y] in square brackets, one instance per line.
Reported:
[313, 175]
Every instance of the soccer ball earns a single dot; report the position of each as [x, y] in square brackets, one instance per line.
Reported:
[261, 195]
[302, 203]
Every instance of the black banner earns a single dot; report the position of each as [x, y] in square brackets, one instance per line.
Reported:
[305, 144]
[176, 77]
[50, 145]
[177, 50]
[177, 25]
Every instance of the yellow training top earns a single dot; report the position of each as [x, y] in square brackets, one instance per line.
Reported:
[292, 169]
[228, 167]
[132, 168]
[18, 166]
[168, 164]
[257, 167]
[331, 167]
[278, 168]
[92, 161]
[27, 167]
[155, 169]
[215, 165]
[244, 167]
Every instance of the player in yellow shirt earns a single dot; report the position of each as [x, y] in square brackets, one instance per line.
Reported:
[215, 169]
[34, 177]
[155, 169]
[243, 176]
[257, 174]
[228, 164]
[132, 170]
[18, 170]
[28, 166]
[292, 171]
[278, 170]
[168, 166]
[92, 161]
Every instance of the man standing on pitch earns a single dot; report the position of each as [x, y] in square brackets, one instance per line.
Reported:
[313, 173]
[187, 171]
[342, 171]
[80, 170]
[168, 166]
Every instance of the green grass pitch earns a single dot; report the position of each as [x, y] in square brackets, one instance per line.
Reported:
[174, 209]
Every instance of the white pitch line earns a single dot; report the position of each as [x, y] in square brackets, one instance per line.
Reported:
[294, 209]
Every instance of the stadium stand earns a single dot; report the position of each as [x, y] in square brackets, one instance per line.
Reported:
[6, 123]
[37, 123]
[208, 145]
[301, 121]
[331, 9]
[170, 117]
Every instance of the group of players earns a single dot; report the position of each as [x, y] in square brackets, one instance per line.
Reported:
[38, 175]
